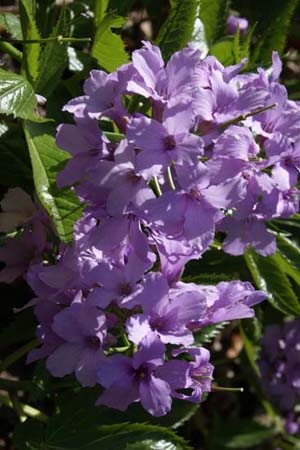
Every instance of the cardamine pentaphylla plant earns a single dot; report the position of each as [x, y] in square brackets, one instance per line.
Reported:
[204, 154]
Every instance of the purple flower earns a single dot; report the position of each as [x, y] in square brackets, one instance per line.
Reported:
[82, 328]
[116, 284]
[129, 380]
[86, 143]
[166, 314]
[161, 83]
[195, 375]
[234, 22]
[162, 143]
[228, 301]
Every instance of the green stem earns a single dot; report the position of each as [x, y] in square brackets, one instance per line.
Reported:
[170, 179]
[26, 410]
[6, 47]
[59, 39]
[245, 116]
[18, 354]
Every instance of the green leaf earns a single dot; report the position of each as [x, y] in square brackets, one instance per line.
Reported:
[17, 96]
[108, 48]
[53, 59]
[213, 14]
[207, 334]
[240, 434]
[177, 31]
[66, 433]
[47, 159]
[12, 25]
[268, 275]
[273, 20]
[84, 402]
[99, 11]
[15, 169]
[289, 252]
[251, 333]
[224, 51]
[111, 437]
[31, 52]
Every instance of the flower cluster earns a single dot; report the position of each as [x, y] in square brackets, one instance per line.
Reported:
[279, 364]
[200, 150]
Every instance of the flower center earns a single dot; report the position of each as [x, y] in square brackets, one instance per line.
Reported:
[125, 289]
[93, 342]
[132, 177]
[169, 142]
[195, 193]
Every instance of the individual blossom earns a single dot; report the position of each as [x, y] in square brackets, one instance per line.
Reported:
[228, 300]
[82, 328]
[193, 374]
[165, 313]
[162, 143]
[133, 379]
[234, 23]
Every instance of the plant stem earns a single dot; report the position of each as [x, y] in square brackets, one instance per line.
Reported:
[18, 354]
[246, 115]
[59, 39]
[6, 47]
[26, 410]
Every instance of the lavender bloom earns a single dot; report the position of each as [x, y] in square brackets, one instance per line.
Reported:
[161, 83]
[195, 375]
[86, 143]
[82, 328]
[228, 301]
[234, 22]
[129, 380]
[166, 314]
[162, 143]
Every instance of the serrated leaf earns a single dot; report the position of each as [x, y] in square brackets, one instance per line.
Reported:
[177, 31]
[84, 404]
[207, 334]
[108, 48]
[53, 59]
[69, 435]
[12, 25]
[213, 14]
[268, 276]
[31, 52]
[47, 159]
[273, 20]
[17, 96]
[207, 278]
